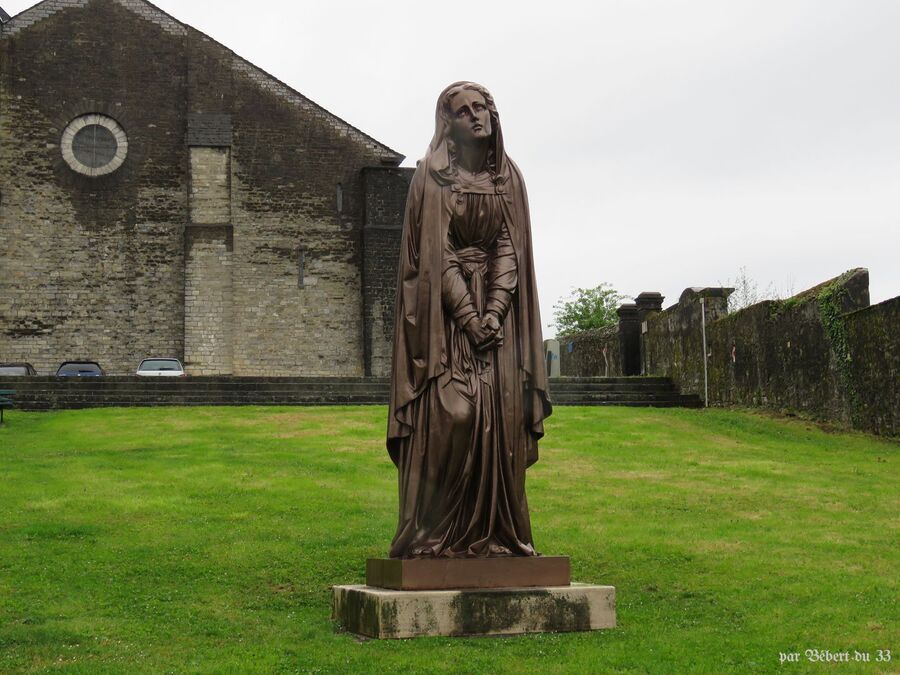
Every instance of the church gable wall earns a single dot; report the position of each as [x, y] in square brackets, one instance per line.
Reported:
[260, 186]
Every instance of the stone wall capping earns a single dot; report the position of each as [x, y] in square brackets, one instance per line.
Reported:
[704, 292]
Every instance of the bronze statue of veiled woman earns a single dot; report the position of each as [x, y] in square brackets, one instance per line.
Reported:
[469, 385]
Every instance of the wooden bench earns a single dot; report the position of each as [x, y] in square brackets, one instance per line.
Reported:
[6, 401]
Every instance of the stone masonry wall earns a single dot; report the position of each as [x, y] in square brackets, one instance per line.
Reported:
[594, 353]
[385, 193]
[673, 342]
[286, 174]
[824, 353]
[210, 200]
[872, 372]
[208, 301]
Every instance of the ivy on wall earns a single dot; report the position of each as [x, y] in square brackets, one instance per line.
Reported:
[831, 300]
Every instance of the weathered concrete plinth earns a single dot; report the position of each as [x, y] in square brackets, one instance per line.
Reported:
[386, 613]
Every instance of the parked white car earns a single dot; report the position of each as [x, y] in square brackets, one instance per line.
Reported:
[160, 368]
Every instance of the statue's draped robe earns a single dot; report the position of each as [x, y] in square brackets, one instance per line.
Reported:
[464, 424]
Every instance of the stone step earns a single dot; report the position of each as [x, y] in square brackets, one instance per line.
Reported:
[45, 405]
[20, 384]
[610, 380]
[137, 389]
[46, 393]
[625, 392]
[637, 388]
[689, 403]
[218, 380]
[593, 396]
[199, 391]
[263, 395]
[53, 383]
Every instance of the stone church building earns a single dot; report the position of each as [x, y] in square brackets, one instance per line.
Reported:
[161, 196]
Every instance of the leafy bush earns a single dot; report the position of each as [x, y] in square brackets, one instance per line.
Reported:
[587, 309]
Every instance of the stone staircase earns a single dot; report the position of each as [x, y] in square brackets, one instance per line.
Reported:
[51, 393]
[649, 392]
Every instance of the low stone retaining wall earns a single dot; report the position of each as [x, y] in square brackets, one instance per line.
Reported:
[824, 353]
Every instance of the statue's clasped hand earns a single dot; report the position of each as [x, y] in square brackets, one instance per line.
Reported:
[485, 333]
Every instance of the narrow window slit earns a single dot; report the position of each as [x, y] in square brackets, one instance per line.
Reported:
[301, 266]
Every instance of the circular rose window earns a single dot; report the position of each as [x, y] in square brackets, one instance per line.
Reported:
[94, 145]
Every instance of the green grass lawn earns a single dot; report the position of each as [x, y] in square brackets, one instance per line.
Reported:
[206, 540]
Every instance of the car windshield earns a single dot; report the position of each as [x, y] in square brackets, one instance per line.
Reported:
[78, 369]
[13, 370]
[160, 364]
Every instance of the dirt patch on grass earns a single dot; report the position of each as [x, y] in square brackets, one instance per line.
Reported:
[295, 416]
[287, 588]
[362, 446]
[640, 475]
[719, 546]
[753, 515]
[299, 416]
[299, 433]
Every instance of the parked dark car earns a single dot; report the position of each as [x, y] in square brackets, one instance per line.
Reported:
[17, 370]
[80, 369]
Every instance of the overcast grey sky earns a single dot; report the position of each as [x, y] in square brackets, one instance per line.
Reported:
[665, 143]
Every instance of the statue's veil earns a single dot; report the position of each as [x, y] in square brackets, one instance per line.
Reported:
[440, 151]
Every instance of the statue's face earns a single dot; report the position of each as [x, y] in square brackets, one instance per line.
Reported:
[470, 118]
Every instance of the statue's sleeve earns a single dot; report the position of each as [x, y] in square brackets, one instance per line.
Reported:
[503, 276]
[455, 291]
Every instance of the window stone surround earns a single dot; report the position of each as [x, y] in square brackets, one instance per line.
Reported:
[93, 119]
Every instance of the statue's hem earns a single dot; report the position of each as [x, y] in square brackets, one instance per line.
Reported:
[388, 614]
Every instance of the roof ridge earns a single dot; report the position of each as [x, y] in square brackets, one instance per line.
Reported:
[170, 24]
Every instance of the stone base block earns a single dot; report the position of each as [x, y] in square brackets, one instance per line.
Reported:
[442, 574]
[384, 613]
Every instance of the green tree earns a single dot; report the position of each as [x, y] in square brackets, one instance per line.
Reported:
[587, 309]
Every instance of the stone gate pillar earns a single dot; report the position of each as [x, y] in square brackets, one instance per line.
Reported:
[648, 304]
[629, 339]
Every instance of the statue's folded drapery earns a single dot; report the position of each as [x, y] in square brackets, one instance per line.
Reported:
[464, 422]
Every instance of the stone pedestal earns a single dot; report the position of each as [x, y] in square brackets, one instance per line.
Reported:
[386, 613]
